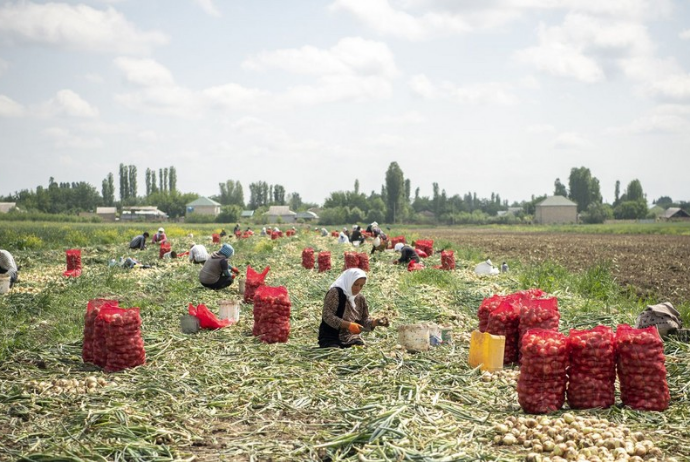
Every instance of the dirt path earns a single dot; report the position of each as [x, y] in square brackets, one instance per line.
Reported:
[655, 266]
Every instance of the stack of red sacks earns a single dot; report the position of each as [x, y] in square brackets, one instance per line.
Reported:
[247, 233]
[254, 281]
[272, 314]
[491, 303]
[335, 234]
[394, 240]
[324, 260]
[505, 320]
[642, 368]
[308, 258]
[424, 248]
[73, 263]
[114, 335]
[290, 232]
[542, 381]
[351, 260]
[539, 313]
[592, 369]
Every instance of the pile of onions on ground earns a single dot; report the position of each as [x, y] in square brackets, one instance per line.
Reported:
[542, 381]
[641, 368]
[254, 281]
[308, 258]
[272, 314]
[592, 368]
[324, 261]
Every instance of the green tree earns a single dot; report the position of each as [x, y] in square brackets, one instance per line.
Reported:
[108, 190]
[395, 193]
[634, 191]
[295, 201]
[617, 193]
[584, 189]
[148, 182]
[124, 183]
[279, 195]
[597, 213]
[631, 210]
[559, 189]
[229, 214]
[132, 183]
[172, 180]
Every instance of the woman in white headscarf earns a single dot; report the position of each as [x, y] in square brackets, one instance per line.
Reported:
[346, 313]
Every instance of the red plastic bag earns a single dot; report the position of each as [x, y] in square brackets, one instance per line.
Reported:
[207, 320]
[165, 248]
[254, 280]
[414, 266]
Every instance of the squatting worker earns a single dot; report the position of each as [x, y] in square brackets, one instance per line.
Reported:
[346, 313]
[8, 266]
[217, 272]
[139, 242]
[407, 254]
[160, 237]
[380, 240]
[198, 253]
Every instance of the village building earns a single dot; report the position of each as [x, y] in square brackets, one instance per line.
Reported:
[148, 213]
[107, 213]
[203, 206]
[307, 216]
[282, 212]
[555, 210]
[7, 206]
[675, 213]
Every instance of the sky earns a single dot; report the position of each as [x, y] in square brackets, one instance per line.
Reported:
[480, 96]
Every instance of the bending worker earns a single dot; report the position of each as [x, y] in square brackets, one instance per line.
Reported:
[217, 273]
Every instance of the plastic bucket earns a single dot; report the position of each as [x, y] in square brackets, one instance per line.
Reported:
[486, 350]
[229, 309]
[434, 334]
[241, 286]
[4, 283]
[414, 337]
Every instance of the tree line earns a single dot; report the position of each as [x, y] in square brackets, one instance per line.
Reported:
[394, 203]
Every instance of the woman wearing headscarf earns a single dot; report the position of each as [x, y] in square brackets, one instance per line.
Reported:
[346, 313]
[216, 272]
[407, 254]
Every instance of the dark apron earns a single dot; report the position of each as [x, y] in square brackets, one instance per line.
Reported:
[328, 336]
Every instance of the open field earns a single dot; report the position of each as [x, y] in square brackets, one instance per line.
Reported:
[225, 396]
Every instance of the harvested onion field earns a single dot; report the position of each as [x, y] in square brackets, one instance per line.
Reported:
[224, 395]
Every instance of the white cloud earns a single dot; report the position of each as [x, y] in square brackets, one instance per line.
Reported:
[422, 86]
[10, 108]
[530, 82]
[145, 72]
[571, 140]
[350, 56]
[4, 66]
[676, 87]
[481, 93]
[541, 128]
[66, 102]
[164, 100]
[63, 138]
[149, 136]
[407, 118]
[209, 7]
[78, 27]
[654, 124]
[560, 60]
[94, 78]
[685, 35]
[232, 95]
[333, 88]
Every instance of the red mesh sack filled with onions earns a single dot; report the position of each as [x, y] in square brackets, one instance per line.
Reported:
[308, 258]
[324, 261]
[73, 263]
[592, 368]
[504, 320]
[124, 342]
[351, 260]
[641, 367]
[254, 281]
[272, 314]
[542, 382]
[538, 313]
[93, 307]
[363, 261]
[425, 245]
[394, 240]
[447, 260]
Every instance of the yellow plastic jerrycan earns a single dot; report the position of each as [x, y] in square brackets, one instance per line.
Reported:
[487, 350]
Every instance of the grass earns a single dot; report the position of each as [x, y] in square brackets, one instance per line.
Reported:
[222, 395]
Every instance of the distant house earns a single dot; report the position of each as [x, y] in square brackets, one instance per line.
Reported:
[511, 212]
[555, 210]
[656, 211]
[7, 206]
[203, 206]
[673, 213]
[307, 216]
[142, 213]
[107, 213]
[280, 211]
[247, 214]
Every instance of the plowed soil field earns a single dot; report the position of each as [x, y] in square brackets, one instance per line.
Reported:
[656, 267]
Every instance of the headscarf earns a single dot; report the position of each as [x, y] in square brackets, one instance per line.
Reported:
[398, 247]
[227, 250]
[345, 281]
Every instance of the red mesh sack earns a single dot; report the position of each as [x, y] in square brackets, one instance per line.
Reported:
[165, 248]
[324, 261]
[308, 258]
[93, 307]
[414, 266]
[592, 368]
[351, 260]
[290, 232]
[73, 263]
[363, 261]
[124, 343]
[253, 281]
[504, 320]
[394, 240]
[542, 382]
[216, 238]
[425, 245]
[486, 307]
[335, 234]
[447, 260]
[275, 235]
[272, 314]
[539, 313]
[641, 366]
[421, 253]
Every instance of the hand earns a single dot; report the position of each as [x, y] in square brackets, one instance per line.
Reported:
[235, 270]
[354, 328]
[383, 322]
